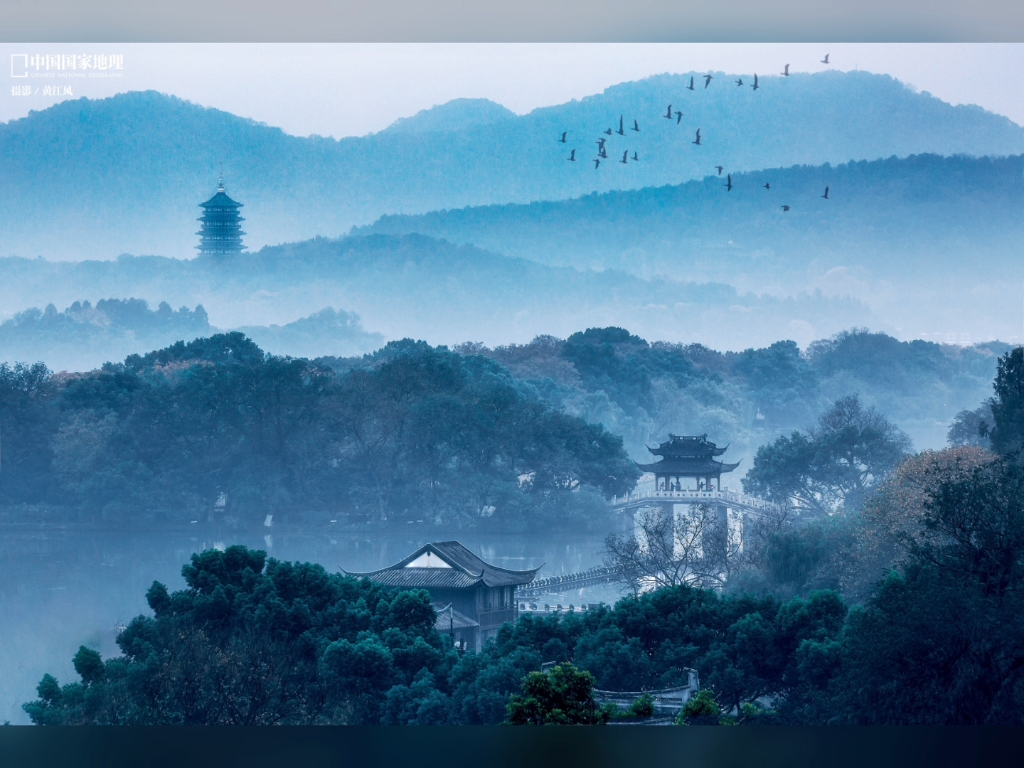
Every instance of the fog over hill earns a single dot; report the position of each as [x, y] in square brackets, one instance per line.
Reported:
[93, 179]
[84, 336]
[420, 287]
[932, 244]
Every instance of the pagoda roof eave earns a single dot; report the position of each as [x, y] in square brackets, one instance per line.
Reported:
[687, 467]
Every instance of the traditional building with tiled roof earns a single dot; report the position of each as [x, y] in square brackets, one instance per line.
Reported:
[459, 581]
[684, 457]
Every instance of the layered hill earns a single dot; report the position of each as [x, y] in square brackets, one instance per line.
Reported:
[93, 179]
[420, 287]
[931, 243]
[84, 336]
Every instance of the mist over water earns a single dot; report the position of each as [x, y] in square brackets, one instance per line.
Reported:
[66, 588]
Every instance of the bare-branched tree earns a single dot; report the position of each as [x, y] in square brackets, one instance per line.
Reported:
[695, 547]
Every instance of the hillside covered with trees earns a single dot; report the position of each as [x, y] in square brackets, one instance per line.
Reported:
[508, 438]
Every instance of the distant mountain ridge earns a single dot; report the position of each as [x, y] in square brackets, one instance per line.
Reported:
[931, 243]
[83, 336]
[452, 116]
[93, 179]
[420, 287]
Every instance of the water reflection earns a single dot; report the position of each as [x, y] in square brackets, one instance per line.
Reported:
[65, 589]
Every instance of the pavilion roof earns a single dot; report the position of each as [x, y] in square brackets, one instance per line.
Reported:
[452, 566]
[688, 467]
[695, 446]
[220, 200]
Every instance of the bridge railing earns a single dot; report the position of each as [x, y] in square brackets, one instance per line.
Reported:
[733, 497]
[596, 575]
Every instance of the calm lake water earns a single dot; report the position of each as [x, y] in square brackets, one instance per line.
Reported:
[63, 589]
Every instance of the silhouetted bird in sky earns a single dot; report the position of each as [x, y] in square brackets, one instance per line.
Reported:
[609, 132]
[668, 113]
[679, 117]
[755, 86]
[690, 86]
[728, 183]
[767, 185]
[563, 136]
[600, 144]
[785, 72]
[636, 125]
[826, 193]
[825, 60]
[707, 80]
[697, 140]
[785, 208]
[597, 163]
[603, 153]
[572, 157]
[620, 131]
[719, 168]
[635, 158]
[625, 155]
[740, 81]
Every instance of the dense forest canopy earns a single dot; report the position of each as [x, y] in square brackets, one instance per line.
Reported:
[922, 626]
[412, 433]
[460, 437]
[936, 641]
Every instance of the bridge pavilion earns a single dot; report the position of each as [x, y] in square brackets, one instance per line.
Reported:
[688, 461]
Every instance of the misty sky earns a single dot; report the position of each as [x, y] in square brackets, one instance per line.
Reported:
[349, 89]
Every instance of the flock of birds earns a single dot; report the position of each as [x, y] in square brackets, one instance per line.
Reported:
[602, 141]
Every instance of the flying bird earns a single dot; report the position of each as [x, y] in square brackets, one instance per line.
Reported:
[785, 208]
[563, 136]
[697, 140]
[620, 131]
[600, 144]
[728, 183]
[636, 125]
[572, 157]
[668, 113]
[679, 117]
[707, 80]
[755, 86]
[690, 86]
[785, 72]
[625, 155]
[825, 196]
[608, 132]
[825, 60]
[767, 185]
[635, 158]
[597, 163]
[739, 82]
[719, 168]
[603, 153]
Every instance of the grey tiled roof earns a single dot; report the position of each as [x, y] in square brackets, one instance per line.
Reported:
[416, 578]
[466, 570]
[448, 618]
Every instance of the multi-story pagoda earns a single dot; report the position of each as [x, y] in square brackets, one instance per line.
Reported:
[688, 457]
[221, 233]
